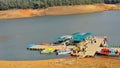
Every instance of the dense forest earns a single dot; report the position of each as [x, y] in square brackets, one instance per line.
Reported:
[111, 1]
[34, 4]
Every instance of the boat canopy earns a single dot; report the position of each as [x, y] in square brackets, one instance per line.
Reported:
[77, 36]
[66, 36]
[80, 37]
[87, 34]
[30, 45]
[59, 39]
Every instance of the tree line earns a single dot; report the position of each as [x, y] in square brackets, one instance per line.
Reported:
[111, 1]
[34, 4]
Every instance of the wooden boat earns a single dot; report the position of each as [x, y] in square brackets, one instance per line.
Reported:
[108, 52]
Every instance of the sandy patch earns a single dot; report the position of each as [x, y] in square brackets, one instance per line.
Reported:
[63, 63]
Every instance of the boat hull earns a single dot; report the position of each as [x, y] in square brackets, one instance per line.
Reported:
[107, 54]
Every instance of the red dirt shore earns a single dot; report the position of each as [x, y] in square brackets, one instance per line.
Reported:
[58, 10]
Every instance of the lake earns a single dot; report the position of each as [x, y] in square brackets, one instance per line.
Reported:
[18, 33]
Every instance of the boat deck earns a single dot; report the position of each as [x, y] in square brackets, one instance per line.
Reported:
[91, 50]
[93, 47]
[38, 47]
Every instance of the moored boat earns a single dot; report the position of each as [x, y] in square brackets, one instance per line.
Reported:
[47, 50]
[108, 52]
[62, 52]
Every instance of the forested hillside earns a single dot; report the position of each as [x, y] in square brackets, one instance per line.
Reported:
[34, 4]
[23, 4]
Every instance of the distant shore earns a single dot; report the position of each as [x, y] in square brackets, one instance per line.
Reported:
[63, 63]
[58, 10]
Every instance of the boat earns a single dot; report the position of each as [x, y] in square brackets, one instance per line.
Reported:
[63, 52]
[108, 52]
[30, 46]
[47, 51]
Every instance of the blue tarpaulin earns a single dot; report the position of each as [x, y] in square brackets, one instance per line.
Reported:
[77, 36]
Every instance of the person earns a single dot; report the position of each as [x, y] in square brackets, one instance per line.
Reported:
[64, 45]
[94, 40]
[84, 49]
[116, 51]
[75, 51]
[67, 42]
[105, 38]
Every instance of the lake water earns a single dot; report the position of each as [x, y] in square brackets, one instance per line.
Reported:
[18, 33]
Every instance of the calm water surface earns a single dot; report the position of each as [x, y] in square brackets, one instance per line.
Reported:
[18, 33]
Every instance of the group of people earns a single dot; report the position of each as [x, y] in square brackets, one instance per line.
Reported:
[90, 40]
[66, 43]
[79, 47]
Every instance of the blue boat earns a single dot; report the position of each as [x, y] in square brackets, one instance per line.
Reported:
[62, 52]
[30, 46]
